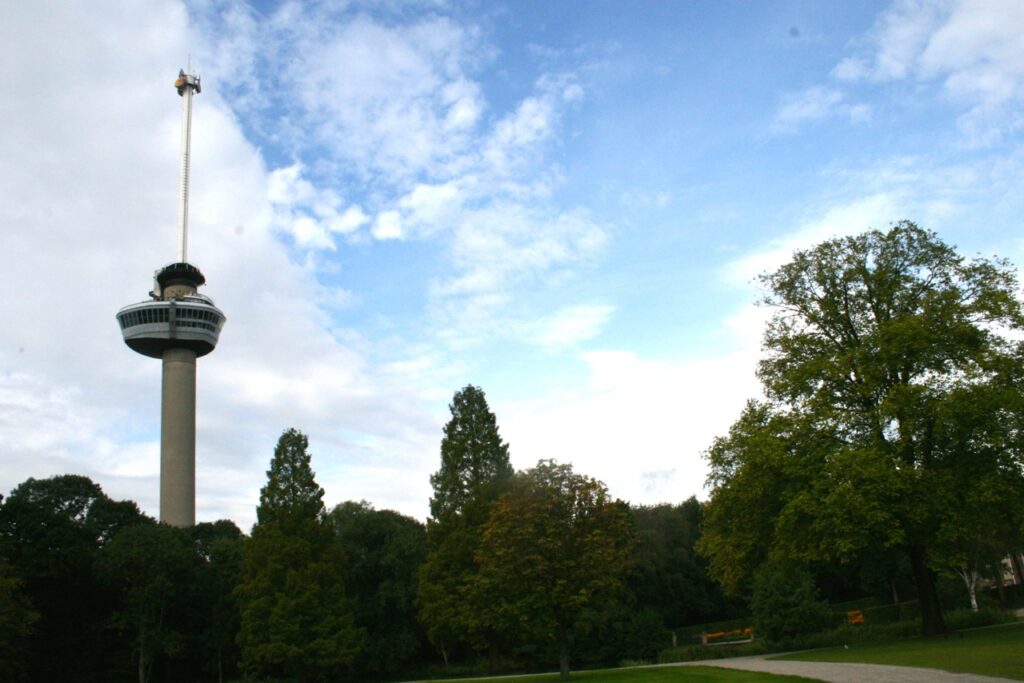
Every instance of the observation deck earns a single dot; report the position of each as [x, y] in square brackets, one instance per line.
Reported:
[176, 318]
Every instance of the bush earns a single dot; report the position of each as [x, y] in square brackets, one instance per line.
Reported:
[785, 604]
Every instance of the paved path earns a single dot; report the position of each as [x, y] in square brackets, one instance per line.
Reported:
[835, 672]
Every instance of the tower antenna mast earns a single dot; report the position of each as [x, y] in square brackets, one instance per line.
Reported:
[187, 85]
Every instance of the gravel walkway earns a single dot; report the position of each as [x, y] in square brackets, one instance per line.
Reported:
[845, 673]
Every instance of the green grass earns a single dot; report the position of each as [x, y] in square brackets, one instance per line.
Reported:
[674, 674]
[995, 651]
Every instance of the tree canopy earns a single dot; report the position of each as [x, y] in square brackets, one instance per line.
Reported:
[877, 344]
[554, 553]
[385, 550]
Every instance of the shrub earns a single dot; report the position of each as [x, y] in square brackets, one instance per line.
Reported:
[785, 603]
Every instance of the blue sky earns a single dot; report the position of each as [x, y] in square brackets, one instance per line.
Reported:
[566, 204]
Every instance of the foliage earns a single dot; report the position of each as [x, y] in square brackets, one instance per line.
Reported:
[475, 468]
[474, 473]
[384, 551]
[666, 574]
[291, 492]
[785, 603]
[296, 620]
[553, 556]
[150, 569]
[16, 623]
[51, 531]
[219, 546]
[623, 632]
[877, 344]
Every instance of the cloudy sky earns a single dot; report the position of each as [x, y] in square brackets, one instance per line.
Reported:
[564, 203]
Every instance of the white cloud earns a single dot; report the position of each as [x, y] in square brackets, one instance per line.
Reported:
[309, 214]
[815, 104]
[391, 100]
[572, 325]
[640, 425]
[975, 48]
[496, 247]
[388, 226]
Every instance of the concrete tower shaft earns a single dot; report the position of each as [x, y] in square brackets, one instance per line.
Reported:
[178, 438]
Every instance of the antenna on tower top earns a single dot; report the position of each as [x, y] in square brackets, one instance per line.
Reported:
[187, 84]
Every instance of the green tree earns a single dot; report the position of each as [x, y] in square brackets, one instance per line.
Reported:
[475, 472]
[978, 526]
[475, 468]
[666, 573]
[874, 339]
[51, 532]
[16, 623]
[385, 550]
[219, 546]
[296, 620]
[152, 570]
[553, 557]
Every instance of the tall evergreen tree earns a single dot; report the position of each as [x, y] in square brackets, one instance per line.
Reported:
[475, 468]
[295, 618]
[475, 472]
[291, 493]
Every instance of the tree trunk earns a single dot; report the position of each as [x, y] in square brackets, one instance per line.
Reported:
[895, 595]
[970, 578]
[563, 662]
[931, 613]
[1018, 572]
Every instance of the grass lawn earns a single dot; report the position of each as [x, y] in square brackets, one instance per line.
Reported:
[674, 674]
[995, 651]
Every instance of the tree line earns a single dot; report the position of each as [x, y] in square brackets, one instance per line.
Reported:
[884, 458]
[520, 568]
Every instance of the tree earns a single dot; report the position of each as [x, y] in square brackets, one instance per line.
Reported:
[51, 532]
[296, 619]
[291, 494]
[152, 570]
[475, 472]
[553, 557]
[16, 623]
[785, 603]
[385, 550]
[666, 573]
[475, 468]
[874, 340]
[219, 546]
